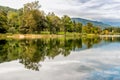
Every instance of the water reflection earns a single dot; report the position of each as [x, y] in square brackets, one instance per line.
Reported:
[31, 52]
[110, 74]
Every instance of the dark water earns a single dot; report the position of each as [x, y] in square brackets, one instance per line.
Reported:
[60, 59]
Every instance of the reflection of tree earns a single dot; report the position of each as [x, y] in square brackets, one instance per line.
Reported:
[6, 48]
[3, 51]
[89, 42]
[12, 47]
[31, 52]
[111, 39]
[27, 54]
[53, 48]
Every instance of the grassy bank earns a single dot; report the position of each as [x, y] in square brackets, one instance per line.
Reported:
[47, 35]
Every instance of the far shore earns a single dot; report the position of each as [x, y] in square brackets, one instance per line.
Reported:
[109, 35]
[45, 36]
[32, 36]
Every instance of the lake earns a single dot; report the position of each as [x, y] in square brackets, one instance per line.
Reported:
[60, 59]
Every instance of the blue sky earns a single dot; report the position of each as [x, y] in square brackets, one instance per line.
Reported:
[100, 10]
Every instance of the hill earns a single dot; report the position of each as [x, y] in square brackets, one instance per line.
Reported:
[96, 23]
[114, 24]
[6, 9]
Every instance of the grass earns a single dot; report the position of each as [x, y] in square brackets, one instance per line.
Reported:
[46, 34]
[61, 33]
[92, 35]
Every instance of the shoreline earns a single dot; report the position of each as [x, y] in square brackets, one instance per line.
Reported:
[109, 35]
[32, 36]
[38, 36]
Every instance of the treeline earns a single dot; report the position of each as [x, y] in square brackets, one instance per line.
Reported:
[31, 20]
[111, 30]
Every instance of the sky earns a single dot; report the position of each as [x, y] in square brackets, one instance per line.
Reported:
[100, 10]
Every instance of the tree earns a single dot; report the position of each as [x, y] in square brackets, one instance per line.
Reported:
[89, 24]
[79, 27]
[89, 28]
[31, 6]
[54, 23]
[13, 21]
[66, 21]
[33, 19]
[3, 22]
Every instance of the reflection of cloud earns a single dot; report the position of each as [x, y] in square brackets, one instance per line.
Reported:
[110, 74]
[104, 10]
[91, 64]
[12, 68]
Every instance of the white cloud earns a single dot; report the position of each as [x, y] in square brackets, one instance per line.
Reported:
[104, 10]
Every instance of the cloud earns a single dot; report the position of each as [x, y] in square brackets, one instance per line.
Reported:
[83, 1]
[101, 10]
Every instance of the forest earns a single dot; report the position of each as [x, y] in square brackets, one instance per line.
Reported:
[32, 20]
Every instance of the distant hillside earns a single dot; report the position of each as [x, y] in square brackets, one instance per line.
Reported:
[114, 24]
[96, 23]
[6, 9]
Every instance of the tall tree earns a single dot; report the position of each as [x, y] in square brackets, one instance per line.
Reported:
[79, 27]
[33, 19]
[54, 23]
[66, 20]
[3, 22]
[13, 21]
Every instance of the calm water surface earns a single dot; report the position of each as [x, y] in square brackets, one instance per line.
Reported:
[60, 59]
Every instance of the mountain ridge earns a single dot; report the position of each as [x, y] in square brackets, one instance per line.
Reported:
[6, 9]
[95, 23]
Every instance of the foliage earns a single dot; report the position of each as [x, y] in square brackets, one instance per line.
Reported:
[54, 23]
[3, 22]
[13, 21]
[90, 29]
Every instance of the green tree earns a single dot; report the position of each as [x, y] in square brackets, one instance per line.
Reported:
[13, 21]
[33, 19]
[3, 22]
[79, 27]
[54, 23]
[66, 21]
[89, 28]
